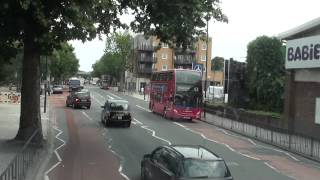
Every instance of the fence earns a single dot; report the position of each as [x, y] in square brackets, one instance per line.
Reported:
[19, 165]
[297, 143]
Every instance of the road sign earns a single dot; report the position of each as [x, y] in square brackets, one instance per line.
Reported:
[198, 67]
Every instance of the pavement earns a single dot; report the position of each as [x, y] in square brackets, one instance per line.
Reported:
[9, 125]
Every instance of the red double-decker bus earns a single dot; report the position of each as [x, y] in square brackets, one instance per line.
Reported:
[176, 94]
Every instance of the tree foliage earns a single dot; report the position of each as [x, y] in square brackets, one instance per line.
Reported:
[217, 64]
[63, 63]
[265, 70]
[41, 26]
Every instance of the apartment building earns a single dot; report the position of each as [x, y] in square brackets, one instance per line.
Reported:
[150, 55]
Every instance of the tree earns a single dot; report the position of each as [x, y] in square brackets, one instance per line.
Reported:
[265, 70]
[63, 63]
[217, 64]
[120, 45]
[40, 26]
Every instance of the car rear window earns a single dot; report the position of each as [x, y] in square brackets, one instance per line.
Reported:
[119, 106]
[83, 94]
[194, 168]
[74, 82]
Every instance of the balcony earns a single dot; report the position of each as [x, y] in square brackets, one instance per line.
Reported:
[184, 60]
[145, 47]
[146, 70]
[147, 59]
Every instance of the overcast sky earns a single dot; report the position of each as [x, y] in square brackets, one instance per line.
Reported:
[247, 20]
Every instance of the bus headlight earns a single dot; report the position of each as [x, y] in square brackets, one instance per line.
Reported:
[175, 111]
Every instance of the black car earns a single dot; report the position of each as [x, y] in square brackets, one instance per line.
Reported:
[79, 99]
[116, 111]
[183, 162]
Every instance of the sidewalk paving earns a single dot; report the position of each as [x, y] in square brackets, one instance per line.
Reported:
[9, 125]
[138, 95]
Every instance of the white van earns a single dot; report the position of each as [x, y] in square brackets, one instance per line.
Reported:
[214, 92]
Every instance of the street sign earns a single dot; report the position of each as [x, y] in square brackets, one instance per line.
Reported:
[197, 67]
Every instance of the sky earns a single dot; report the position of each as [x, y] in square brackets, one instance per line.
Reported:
[248, 19]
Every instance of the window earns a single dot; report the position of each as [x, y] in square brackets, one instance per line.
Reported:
[204, 46]
[154, 55]
[164, 56]
[203, 58]
[164, 67]
[142, 55]
[165, 45]
[204, 69]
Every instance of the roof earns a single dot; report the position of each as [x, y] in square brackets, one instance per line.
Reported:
[307, 29]
[195, 152]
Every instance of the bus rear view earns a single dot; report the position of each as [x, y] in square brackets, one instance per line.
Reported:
[176, 94]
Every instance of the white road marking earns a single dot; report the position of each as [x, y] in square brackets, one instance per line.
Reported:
[110, 97]
[252, 142]
[143, 108]
[99, 102]
[46, 177]
[154, 134]
[115, 95]
[120, 157]
[270, 166]
[226, 145]
[87, 116]
[137, 121]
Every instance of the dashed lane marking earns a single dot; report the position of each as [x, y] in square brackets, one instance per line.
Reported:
[143, 108]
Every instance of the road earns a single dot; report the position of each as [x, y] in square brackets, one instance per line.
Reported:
[85, 149]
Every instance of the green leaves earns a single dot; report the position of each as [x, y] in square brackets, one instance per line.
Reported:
[116, 57]
[63, 62]
[265, 70]
[217, 64]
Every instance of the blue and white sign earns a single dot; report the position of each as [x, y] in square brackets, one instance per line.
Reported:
[197, 67]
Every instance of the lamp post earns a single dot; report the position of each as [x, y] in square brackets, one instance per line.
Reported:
[206, 75]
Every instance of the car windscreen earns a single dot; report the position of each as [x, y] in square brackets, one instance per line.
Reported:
[74, 82]
[196, 168]
[119, 106]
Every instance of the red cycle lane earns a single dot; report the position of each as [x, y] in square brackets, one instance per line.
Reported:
[85, 155]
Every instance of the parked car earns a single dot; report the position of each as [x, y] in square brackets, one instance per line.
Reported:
[183, 162]
[57, 89]
[116, 111]
[79, 99]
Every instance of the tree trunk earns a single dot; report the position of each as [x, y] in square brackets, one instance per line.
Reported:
[30, 118]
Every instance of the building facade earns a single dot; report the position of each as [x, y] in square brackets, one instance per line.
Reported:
[302, 89]
[151, 55]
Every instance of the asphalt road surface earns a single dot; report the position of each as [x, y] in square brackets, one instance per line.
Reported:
[85, 149]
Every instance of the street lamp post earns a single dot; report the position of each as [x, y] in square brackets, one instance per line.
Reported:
[206, 76]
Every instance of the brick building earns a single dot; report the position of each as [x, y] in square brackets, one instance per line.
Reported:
[302, 90]
[150, 55]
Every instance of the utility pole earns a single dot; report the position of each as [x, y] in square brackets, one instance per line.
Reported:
[206, 76]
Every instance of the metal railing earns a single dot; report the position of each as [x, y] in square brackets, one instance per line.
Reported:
[306, 146]
[18, 167]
